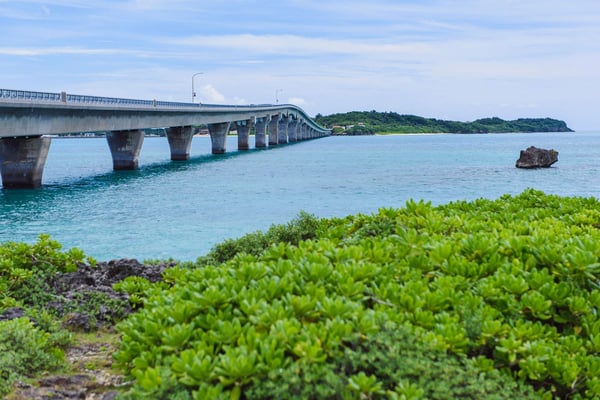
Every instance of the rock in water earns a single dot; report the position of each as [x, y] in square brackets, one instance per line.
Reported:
[535, 157]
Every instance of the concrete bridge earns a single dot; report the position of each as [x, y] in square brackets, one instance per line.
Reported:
[27, 119]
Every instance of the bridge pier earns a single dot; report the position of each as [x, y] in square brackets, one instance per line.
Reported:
[300, 131]
[180, 142]
[273, 130]
[282, 130]
[218, 136]
[293, 130]
[25, 117]
[23, 160]
[125, 148]
[243, 131]
[260, 132]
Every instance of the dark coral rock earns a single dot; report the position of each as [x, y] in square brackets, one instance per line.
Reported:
[534, 157]
[12, 313]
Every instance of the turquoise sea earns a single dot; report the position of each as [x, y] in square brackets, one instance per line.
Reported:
[179, 210]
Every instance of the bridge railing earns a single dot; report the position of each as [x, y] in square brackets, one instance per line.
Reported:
[25, 96]
[20, 95]
[8, 95]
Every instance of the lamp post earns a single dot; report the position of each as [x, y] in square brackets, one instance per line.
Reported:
[277, 95]
[193, 92]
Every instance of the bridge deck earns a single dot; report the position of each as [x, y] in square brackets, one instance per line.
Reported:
[27, 118]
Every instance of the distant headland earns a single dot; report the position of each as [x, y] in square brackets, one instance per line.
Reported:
[373, 122]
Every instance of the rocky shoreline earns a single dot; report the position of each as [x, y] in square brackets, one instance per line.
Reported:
[78, 285]
[91, 375]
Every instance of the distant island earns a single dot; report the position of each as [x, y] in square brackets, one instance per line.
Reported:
[373, 122]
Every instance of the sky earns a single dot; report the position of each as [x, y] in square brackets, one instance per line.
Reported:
[447, 59]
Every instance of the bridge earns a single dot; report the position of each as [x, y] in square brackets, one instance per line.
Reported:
[28, 120]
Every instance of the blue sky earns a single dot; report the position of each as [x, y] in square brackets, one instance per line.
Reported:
[450, 59]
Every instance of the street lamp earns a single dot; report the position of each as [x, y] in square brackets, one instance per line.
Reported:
[277, 95]
[193, 92]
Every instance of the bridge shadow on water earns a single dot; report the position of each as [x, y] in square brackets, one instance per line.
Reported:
[114, 178]
[74, 187]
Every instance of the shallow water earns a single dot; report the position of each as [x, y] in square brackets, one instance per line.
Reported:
[180, 210]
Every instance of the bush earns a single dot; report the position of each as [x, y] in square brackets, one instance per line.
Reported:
[26, 273]
[507, 285]
[26, 352]
[390, 364]
[304, 226]
[26, 270]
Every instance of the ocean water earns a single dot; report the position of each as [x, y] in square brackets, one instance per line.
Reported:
[179, 210]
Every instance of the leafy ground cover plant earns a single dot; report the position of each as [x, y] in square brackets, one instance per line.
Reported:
[507, 287]
[368, 366]
[49, 297]
[34, 343]
[26, 350]
[25, 270]
[305, 226]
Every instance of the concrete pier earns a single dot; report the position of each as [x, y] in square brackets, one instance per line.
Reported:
[243, 131]
[282, 135]
[300, 130]
[180, 142]
[218, 136]
[125, 148]
[293, 130]
[260, 132]
[273, 130]
[28, 119]
[23, 160]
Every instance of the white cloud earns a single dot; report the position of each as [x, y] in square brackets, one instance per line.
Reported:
[62, 3]
[211, 95]
[144, 5]
[461, 59]
[298, 45]
[50, 51]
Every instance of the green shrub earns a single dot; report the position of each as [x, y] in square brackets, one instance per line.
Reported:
[399, 367]
[26, 352]
[27, 274]
[135, 287]
[26, 271]
[304, 226]
[46, 322]
[508, 288]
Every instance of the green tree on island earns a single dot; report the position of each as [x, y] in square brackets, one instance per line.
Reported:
[370, 122]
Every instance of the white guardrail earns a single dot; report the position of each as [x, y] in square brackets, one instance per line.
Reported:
[16, 96]
[25, 96]
[7, 95]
